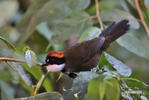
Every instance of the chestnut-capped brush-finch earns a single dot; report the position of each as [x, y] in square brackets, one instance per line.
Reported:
[85, 55]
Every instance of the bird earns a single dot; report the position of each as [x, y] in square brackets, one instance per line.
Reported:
[85, 55]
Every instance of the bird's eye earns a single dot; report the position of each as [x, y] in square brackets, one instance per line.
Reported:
[47, 60]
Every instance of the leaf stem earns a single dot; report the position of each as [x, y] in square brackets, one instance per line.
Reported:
[141, 16]
[98, 15]
[11, 60]
[37, 87]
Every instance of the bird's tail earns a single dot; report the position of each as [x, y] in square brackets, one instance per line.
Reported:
[114, 31]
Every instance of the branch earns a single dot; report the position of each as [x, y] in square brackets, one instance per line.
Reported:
[39, 83]
[98, 15]
[11, 60]
[141, 16]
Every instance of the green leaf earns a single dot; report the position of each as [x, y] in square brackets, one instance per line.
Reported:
[40, 11]
[90, 33]
[134, 83]
[44, 96]
[22, 73]
[108, 60]
[7, 92]
[78, 5]
[44, 30]
[100, 87]
[53, 11]
[104, 5]
[30, 58]
[112, 90]
[116, 14]
[40, 42]
[5, 76]
[81, 77]
[129, 6]
[103, 61]
[103, 89]
[10, 46]
[136, 41]
[75, 24]
[58, 32]
[36, 71]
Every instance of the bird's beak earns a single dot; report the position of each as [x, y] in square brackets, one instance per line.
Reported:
[44, 64]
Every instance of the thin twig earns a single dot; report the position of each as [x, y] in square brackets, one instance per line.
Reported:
[141, 16]
[11, 60]
[37, 87]
[12, 67]
[98, 15]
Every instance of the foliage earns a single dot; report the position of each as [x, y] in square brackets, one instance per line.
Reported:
[47, 24]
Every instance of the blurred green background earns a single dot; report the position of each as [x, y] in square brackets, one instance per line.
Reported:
[29, 29]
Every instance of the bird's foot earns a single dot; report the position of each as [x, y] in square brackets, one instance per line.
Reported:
[72, 75]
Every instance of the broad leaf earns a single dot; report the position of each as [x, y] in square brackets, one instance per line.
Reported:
[37, 73]
[44, 96]
[44, 30]
[22, 73]
[128, 6]
[53, 11]
[5, 76]
[30, 58]
[57, 32]
[81, 77]
[136, 41]
[112, 90]
[100, 87]
[7, 92]
[134, 83]
[108, 60]
[116, 15]
[103, 89]
[10, 46]
[90, 33]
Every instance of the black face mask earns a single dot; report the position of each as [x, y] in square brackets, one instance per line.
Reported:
[54, 60]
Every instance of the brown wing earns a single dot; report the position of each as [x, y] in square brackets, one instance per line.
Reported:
[82, 52]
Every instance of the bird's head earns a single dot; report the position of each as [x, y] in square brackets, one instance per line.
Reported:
[54, 61]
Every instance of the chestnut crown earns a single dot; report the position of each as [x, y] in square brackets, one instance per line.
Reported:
[54, 57]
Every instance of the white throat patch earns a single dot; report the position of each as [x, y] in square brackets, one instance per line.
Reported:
[55, 67]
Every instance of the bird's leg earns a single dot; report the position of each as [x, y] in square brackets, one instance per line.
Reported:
[72, 75]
